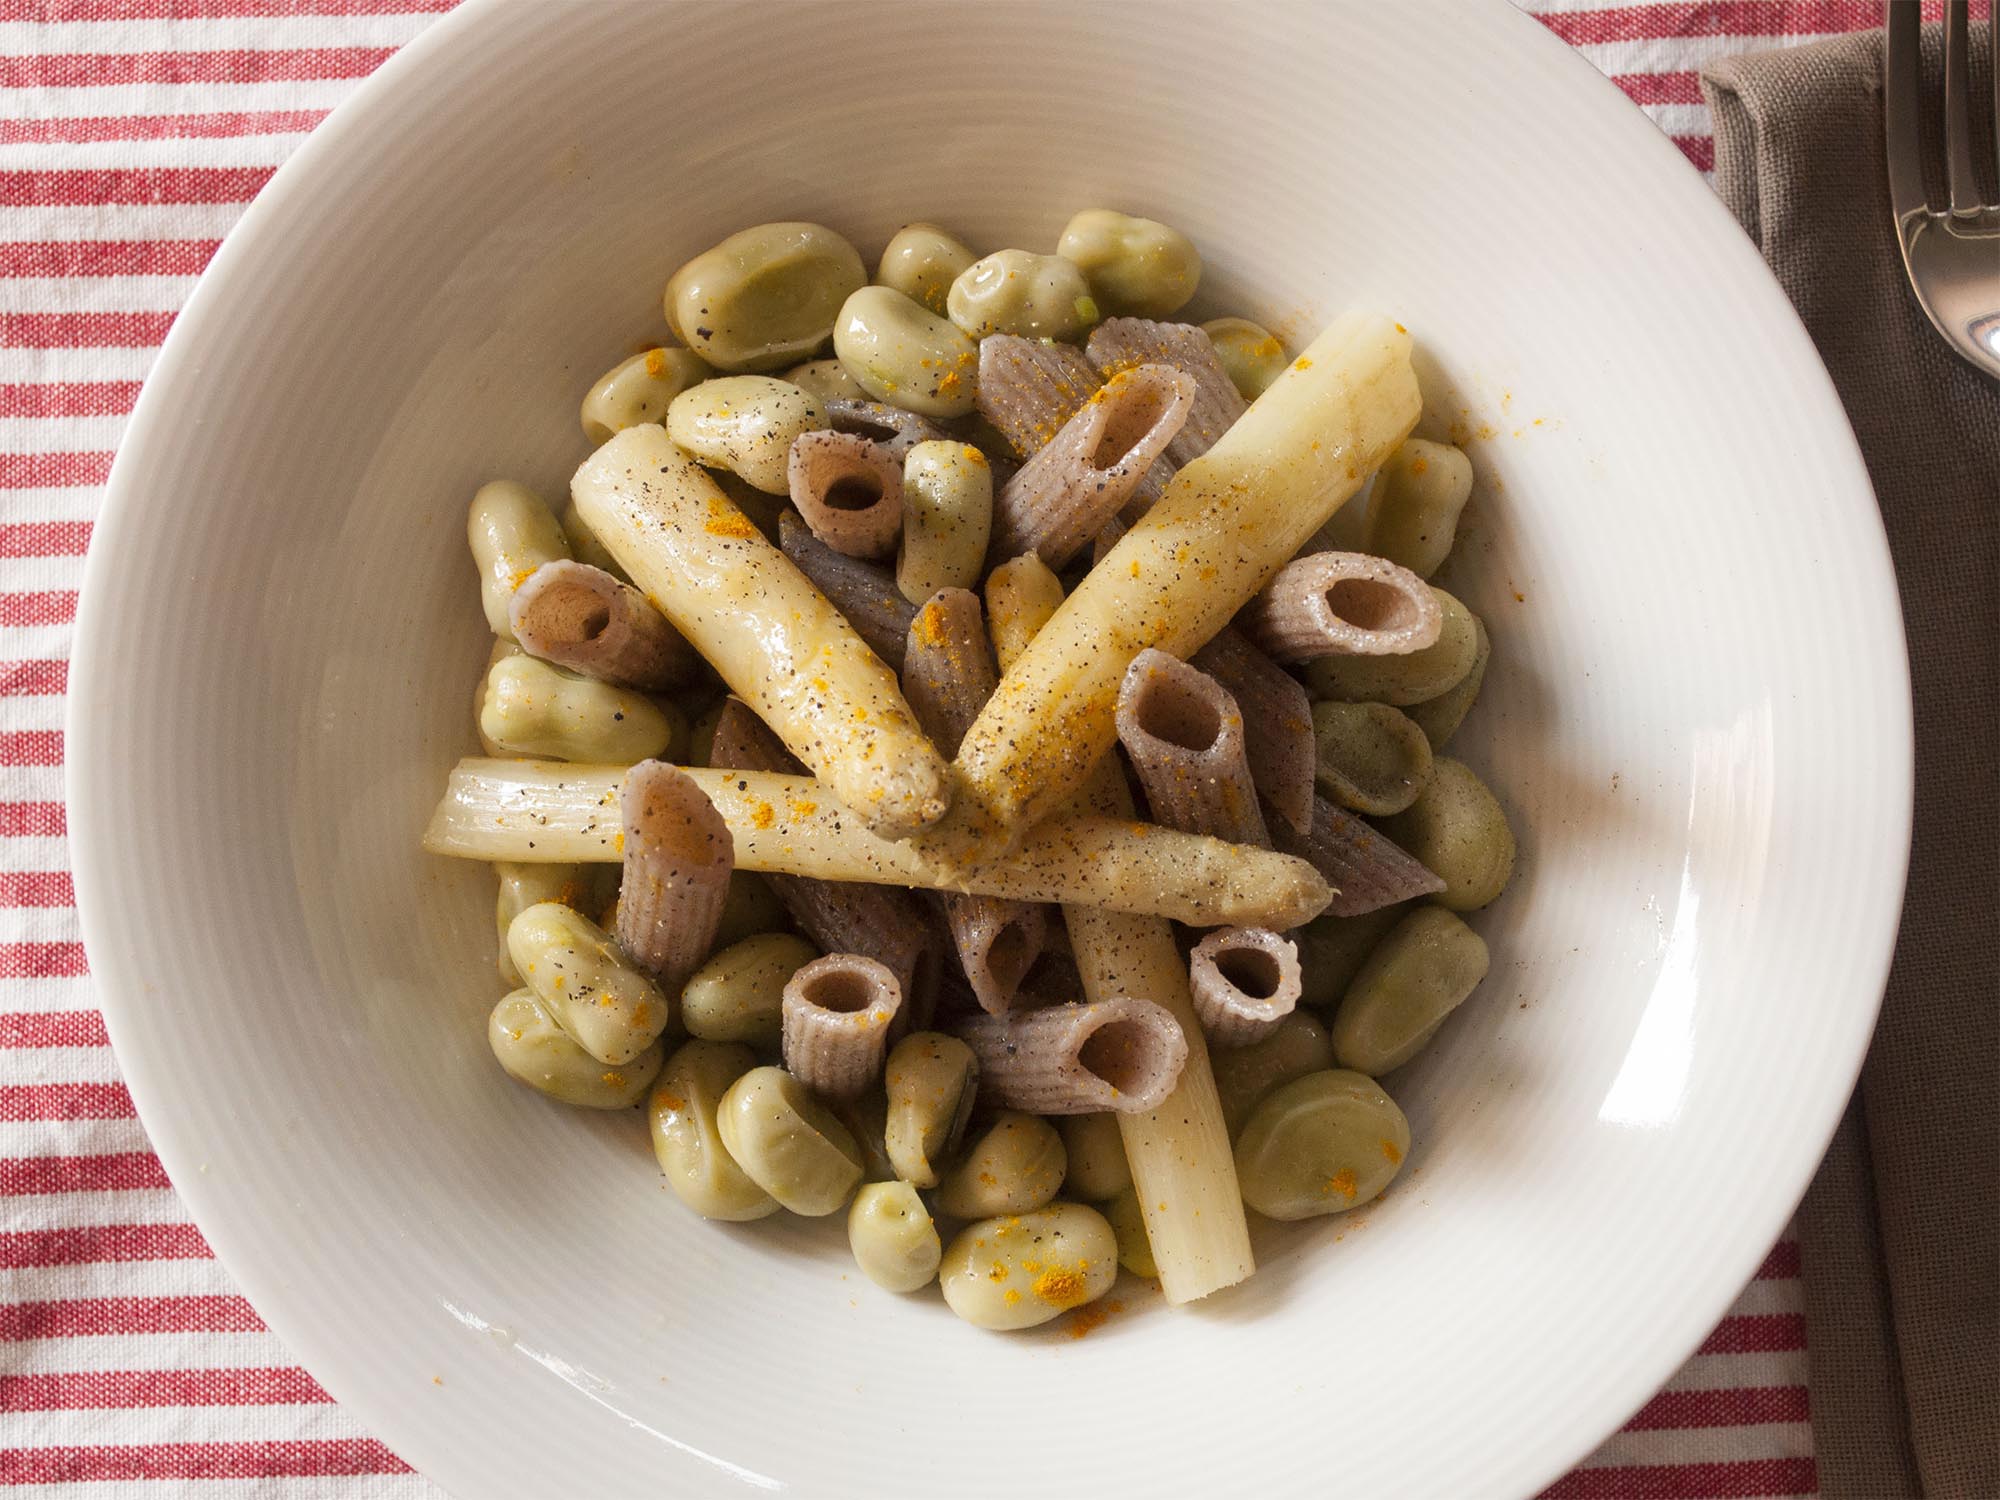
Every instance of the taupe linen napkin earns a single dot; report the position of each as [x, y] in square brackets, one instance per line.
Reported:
[1901, 1230]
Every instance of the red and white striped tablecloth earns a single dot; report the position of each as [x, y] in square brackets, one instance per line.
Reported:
[132, 135]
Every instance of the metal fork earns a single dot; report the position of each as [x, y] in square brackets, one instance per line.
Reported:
[1952, 254]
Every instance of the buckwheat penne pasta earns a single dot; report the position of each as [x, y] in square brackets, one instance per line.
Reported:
[1028, 388]
[948, 670]
[533, 1049]
[786, 824]
[947, 518]
[875, 921]
[1224, 525]
[1184, 736]
[1215, 404]
[864, 592]
[1365, 868]
[1244, 981]
[1119, 1054]
[849, 491]
[678, 860]
[998, 942]
[837, 1015]
[948, 674]
[775, 639]
[512, 532]
[1342, 604]
[1411, 677]
[1277, 718]
[582, 618]
[892, 428]
[1083, 476]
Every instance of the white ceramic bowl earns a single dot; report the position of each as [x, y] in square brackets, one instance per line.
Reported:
[1697, 715]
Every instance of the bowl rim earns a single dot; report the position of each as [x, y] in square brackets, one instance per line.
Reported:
[118, 985]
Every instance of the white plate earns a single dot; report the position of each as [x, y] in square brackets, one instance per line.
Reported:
[1697, 714]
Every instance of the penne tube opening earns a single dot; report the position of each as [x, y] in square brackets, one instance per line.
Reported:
[1343, 604]
[998, 942]
[1083, 477]
[581, 617]
[848, 490]
[1115, 1054]
[838, 1012]
[1184, 734]
[1244, 981]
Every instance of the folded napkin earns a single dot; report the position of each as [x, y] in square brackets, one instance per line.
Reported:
[1900, 1233]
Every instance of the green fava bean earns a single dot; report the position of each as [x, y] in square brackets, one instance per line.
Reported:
[930, 1080]
[1128, 1224]
[748, 909]
[638, 390]
[1096, 1152]
[1014, 1166]
[581, 979]
[893, 1239]
[533, 1049]
[1440, 717]
[1458, 831]
[1296, 1046]
[1332, 950]
[533, 708]
[1138, 268]
[921, 262]
[738, 995]
[826, 380]
[765, 297]
[1414, 508]
[523, 886]
[512, 532]
[789, 1143]
[866, 1117]
[1370, 757]
[745, 424]
[687, 1138]
[1400, 680]
[906, 355]
[1020, 292]
[1250, 355]
[1419, 974]
[1321, 1144]
[585, 546]
[1022, 1270]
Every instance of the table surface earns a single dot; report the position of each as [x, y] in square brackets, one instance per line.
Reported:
[133, 133]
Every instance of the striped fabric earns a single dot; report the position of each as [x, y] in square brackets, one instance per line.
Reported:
[132, 134]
